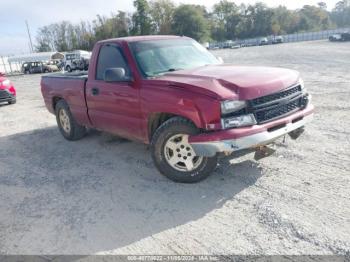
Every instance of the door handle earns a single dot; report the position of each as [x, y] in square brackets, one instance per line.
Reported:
[95, 91]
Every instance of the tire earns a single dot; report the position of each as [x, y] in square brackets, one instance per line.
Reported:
[75, 131]
[168, 132]
[68, 69]
[12, 102]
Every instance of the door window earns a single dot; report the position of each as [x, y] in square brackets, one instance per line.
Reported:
[110, 56]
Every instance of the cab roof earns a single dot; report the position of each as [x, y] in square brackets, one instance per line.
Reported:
[142, 38]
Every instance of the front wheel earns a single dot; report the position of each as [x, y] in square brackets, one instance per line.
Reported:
[174, 156]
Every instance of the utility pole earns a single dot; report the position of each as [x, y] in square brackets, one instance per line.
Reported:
[30, 38]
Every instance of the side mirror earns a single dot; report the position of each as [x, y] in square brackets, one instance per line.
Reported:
[115, 75]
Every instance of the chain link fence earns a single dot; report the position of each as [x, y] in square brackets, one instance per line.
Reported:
[9, 68]
[288, 38]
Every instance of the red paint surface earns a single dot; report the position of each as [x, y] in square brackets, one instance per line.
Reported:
[250, 130]
[11, 88]
[125, 108]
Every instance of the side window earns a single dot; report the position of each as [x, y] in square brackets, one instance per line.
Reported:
[110, 56]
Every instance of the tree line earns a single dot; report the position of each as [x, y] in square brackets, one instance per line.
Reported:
[226, 21]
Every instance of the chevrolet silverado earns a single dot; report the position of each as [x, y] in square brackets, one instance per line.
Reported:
[171, 93]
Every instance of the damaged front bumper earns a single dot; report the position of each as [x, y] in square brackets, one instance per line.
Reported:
[228, 141]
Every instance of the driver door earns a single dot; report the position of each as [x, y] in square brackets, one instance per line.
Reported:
[114, 106]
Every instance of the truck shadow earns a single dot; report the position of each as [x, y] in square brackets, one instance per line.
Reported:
[99, 194]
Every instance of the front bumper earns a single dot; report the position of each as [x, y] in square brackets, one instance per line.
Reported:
[6, 96]
[238, 139]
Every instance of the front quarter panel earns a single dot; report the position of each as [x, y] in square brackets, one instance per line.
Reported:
[161, 97]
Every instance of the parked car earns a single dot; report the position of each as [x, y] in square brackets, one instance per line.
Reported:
[263, 41]
[77, 60]
[214, 47]
[335, 37]
[173, 94]
[7, 90]
[228, 44]
[345, 36]
[51, 66]
[340, 37]
[277, 40]
[38, 67]
[32, 67]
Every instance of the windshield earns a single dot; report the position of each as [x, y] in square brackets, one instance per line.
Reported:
[162, 56]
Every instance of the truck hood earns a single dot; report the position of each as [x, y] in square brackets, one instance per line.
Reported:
[233, 82]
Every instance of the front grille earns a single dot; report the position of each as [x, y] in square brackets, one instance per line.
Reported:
[269, 98]
[266, 115]
[4, 94]
[277, 105]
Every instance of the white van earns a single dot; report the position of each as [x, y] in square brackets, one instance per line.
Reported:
[76, 60]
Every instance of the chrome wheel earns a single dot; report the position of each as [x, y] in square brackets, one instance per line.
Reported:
[64, 121]
[180, 155]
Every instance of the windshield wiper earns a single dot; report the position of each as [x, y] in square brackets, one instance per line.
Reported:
[165, 71]
[174, 69]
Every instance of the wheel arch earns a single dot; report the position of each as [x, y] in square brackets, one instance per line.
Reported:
[155, 120]
[55, 100]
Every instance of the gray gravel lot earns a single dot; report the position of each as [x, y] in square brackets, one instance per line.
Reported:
[103, 195]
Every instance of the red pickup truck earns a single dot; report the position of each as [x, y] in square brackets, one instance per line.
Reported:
[170, 92]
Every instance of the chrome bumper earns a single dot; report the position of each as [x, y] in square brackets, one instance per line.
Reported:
[251, 141]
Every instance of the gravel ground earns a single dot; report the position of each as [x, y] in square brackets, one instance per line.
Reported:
[102, 194]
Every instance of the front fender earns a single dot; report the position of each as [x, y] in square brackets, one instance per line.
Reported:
[202, 110]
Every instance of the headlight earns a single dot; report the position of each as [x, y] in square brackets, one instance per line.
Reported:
[6, 82]
[238, 121]
[232, 106]
[301, 83]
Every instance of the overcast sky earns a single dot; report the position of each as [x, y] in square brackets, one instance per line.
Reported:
[13, 35]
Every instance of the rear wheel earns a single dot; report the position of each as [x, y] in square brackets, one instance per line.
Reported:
[68, 69]
[174, 156]
[67, 125]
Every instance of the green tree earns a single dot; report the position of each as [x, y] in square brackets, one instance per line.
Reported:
[227, 21]
[314, 18]
[225, 17]
[261, 16]
[141, 21]
[162, 12]
[322, 5]
[189, 21]
[116, 26]
[256, 20]
[44, 40]
[284, 20]
[341, 13]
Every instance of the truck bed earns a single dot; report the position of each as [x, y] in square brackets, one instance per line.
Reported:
[67, 86]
